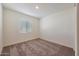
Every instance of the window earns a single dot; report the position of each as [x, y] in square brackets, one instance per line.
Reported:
[25, 26]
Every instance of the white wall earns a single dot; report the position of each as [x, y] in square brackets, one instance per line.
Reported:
[59, 28]
[11, 27]
[0, 28]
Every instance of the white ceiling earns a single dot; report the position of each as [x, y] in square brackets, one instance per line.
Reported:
[44, 8]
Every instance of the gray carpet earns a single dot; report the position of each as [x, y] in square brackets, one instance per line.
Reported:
[37, 47]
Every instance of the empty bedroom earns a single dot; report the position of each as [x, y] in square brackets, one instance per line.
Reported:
[37, 29]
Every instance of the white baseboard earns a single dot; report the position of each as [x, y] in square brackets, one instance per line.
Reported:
[58, 43]
[17, 42]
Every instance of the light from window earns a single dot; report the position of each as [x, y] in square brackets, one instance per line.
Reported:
[25, 26]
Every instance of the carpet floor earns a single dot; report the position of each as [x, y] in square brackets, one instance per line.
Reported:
[37, 47]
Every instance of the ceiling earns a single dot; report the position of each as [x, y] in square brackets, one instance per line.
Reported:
[45, 9]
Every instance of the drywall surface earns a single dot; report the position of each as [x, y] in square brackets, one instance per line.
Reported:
[0, 28]
[12, 34]
[59, 28]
